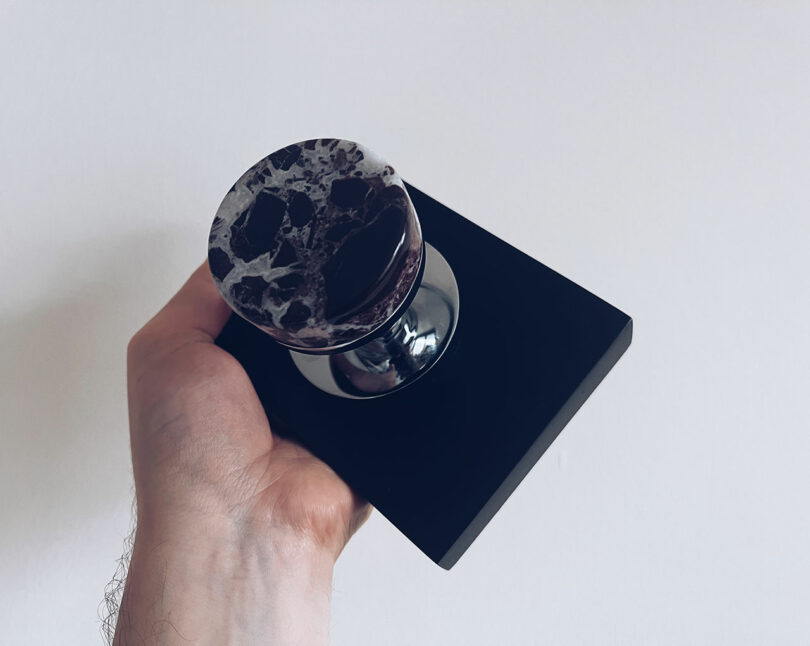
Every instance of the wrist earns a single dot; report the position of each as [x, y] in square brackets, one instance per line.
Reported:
[225, 586]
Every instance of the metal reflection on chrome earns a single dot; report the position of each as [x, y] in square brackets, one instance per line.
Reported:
[401, 355]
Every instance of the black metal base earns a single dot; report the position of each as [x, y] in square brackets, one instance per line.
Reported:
[441, 456]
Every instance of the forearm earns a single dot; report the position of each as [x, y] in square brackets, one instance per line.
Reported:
[225, 588]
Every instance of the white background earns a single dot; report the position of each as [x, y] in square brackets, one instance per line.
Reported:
[659, 155]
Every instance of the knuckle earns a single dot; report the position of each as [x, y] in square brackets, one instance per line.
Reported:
[139, 346]
[135, 345]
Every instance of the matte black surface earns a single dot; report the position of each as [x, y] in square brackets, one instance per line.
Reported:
[440, 457]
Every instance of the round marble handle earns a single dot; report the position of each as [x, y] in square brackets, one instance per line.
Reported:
[318, 244]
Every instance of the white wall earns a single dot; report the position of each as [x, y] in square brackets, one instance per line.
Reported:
[658, 155]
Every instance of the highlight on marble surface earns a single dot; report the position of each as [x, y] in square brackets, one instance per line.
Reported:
[317, 244]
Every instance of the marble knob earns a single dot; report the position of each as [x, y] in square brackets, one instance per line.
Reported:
[318, 244]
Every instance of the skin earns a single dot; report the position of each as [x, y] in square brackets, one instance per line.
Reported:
[237, 530]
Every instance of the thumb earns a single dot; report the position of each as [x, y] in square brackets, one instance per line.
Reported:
[195, 313]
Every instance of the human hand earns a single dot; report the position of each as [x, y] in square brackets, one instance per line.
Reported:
[238, 530]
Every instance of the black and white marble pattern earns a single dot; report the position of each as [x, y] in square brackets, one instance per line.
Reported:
[318, 244]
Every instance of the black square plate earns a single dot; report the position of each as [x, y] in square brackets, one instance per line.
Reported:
[441, 456]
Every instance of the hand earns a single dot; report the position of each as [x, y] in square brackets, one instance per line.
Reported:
[238, 530]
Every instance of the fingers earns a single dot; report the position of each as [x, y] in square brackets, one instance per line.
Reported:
[196, 312]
